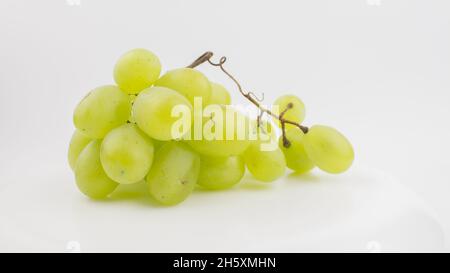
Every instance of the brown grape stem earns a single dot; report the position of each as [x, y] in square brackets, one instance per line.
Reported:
[250, 96]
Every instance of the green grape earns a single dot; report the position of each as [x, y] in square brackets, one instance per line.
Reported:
[266, 166]
[296, 157]
[174, 173]
[230, 133]
[219, 95]
[152, 111]
[89, 174]
[217, 173]
[126, 154]
[103, 109]
[77, 144]
[136, 70]
[188, 82]
[328, 149]
[295, 114]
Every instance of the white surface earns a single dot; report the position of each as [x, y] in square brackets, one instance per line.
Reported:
[364, 210]
[379, 73]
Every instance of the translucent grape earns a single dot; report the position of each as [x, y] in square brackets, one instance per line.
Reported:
[77, 144]
[266, 166]
[126, 154]
[295, 114]
[136, 70]
[295, 154]
[219, 95]
[217, 173]
[174, 173]
[103, 109]
[152, 111]
[328, 149]
[89, 174]
[188, 82]
[232, 137]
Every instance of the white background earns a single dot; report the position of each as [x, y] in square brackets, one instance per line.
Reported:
[378, 70]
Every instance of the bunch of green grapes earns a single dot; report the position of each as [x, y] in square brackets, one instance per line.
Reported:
[177, 131]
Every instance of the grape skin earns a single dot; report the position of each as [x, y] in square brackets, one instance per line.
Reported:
[103, 109]
[296, 157]
[89, 175]
[136, 70]
[174, 173]
[328, 149]
[188, 82]
[152, 111]
[219, 147]
[157, 144]
[219, 95]
[265, 166]
[77, 144]
[126, 154]
[295, 114]
[218, 173]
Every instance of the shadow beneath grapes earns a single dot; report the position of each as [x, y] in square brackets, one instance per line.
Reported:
[134, 193]
[309, 177]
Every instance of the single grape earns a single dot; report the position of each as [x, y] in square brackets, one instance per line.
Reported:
[77, 144]
[152, 111]
[219, 95]
[218, 173]
[266, 166]
[126, 154]
[295, 114]
[296, 157]
[89, 174]
[328, 149]
[174, 173]
[188, 82]
[103, 109]
[222, 134]
[136, 70]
